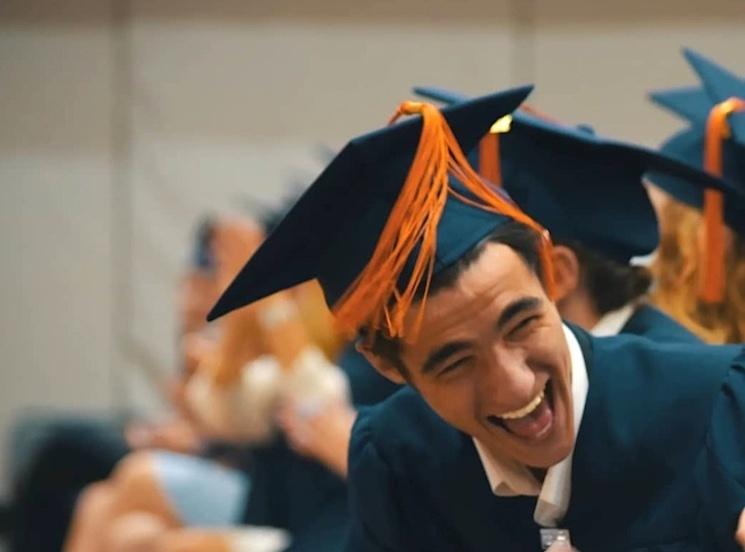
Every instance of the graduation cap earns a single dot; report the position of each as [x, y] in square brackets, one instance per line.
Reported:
[394, 207]
[714, 141]
[580, 186]
[688, 145]
[719, 93]
[721, 85]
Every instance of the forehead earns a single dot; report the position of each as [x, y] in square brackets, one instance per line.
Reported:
[496, 278]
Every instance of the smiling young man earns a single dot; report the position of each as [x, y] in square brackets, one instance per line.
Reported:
[512, 420]
[494, 360]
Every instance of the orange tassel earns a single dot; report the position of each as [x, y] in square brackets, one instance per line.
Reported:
[717, 129]
[374, 299]
[490, 166]
[489, 162]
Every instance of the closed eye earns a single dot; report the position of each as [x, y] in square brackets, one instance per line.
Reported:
[520, 328]
[454, 366]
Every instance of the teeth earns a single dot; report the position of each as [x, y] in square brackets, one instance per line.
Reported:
[525, 410]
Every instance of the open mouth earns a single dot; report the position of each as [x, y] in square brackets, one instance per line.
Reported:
[532, 421]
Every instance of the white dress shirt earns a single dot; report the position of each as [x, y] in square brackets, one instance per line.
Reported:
[509, 478]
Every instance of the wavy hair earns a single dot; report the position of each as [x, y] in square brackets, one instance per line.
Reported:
[677, 271]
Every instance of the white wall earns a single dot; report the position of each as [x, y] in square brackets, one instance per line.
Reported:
[596, 61]
[55, 212]
[122, 122]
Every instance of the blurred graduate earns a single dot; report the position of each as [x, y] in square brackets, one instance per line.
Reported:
[701, 266]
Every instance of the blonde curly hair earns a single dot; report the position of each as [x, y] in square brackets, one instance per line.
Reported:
[677, 271]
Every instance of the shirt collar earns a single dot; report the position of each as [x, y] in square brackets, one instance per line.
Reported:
[613, 322]
[508, 478]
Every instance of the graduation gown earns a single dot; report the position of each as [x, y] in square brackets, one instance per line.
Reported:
[658, 465]
[652, 323]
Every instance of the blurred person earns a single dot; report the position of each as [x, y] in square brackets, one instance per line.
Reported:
[234, 401]
[715, 111]
[597, 211]
[677, 268]
[176, 432]
[297, 481]
[142, 480]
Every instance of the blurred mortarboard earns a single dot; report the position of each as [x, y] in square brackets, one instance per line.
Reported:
[721, 85]
[379, 192]
[714, 141]
[688, 145]
[580, 186]
[694, 104]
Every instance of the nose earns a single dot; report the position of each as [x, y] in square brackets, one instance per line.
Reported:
[505, 382]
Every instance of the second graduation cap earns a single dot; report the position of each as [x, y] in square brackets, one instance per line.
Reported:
[694, 105]
[580, 186]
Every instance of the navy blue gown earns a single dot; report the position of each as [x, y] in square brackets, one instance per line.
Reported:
[659, 462]
[652, 323]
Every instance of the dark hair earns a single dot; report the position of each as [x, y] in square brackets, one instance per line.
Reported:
[521, 239]
[610, 283]
[203, 256]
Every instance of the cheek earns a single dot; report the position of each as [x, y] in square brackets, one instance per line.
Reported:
[453, 402]
[549, 355]
[541, 345]
[545, 355]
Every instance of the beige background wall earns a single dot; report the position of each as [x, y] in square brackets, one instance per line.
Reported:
[122, 122]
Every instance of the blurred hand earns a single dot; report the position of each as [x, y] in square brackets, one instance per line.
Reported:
[234, 240]
[740, 533]
[321, 432]
[242, 411]
[195, 349]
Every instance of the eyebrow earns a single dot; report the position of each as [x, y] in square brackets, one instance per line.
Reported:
[441, 354]
[516, 308]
